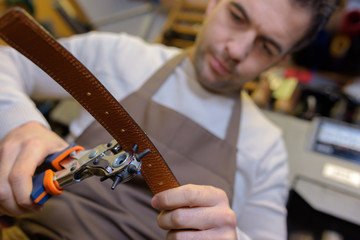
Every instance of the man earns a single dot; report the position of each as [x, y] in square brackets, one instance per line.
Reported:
[233, 172]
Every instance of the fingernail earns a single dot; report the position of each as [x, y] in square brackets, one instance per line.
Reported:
[155, 202]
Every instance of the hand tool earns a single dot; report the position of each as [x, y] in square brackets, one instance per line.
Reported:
[74, 164]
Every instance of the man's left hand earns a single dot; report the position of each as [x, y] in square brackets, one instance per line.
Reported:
[195, 212]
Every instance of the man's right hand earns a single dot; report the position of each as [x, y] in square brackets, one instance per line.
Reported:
[21, 151]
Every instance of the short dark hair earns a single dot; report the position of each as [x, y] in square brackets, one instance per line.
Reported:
[321, 10]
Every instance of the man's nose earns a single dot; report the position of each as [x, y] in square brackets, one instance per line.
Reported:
[241, 44]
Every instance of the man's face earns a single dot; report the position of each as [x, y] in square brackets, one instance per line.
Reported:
[242, 38]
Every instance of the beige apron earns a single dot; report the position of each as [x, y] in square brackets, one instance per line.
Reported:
[91, 210]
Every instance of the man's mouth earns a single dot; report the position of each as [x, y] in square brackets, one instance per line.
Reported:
[218, 66]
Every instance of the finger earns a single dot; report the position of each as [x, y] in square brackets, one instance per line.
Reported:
[223, 234]
[8, 154]
[13, 211]
[199, 218]
[22, 172]
[3, 211]
[184, 234]
[189, 196]
[9, 208]
[17, 211]
[8, 204]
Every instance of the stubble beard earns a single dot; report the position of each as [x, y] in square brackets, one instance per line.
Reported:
[208, 79]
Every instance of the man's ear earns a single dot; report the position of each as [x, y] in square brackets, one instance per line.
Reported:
[211, 5]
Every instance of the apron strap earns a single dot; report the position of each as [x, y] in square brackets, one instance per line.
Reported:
[160, 76]
[232, 132]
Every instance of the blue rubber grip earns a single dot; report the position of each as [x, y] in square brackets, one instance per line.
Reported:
[39, 195]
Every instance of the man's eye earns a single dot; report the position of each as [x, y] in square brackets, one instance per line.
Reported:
[267, 48]
[236, 17]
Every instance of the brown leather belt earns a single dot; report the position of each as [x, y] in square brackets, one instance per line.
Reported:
[23, 33]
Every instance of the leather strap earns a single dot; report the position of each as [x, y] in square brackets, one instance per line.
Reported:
[23, 33]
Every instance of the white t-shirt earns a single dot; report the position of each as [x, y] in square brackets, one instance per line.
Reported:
[123, 63]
